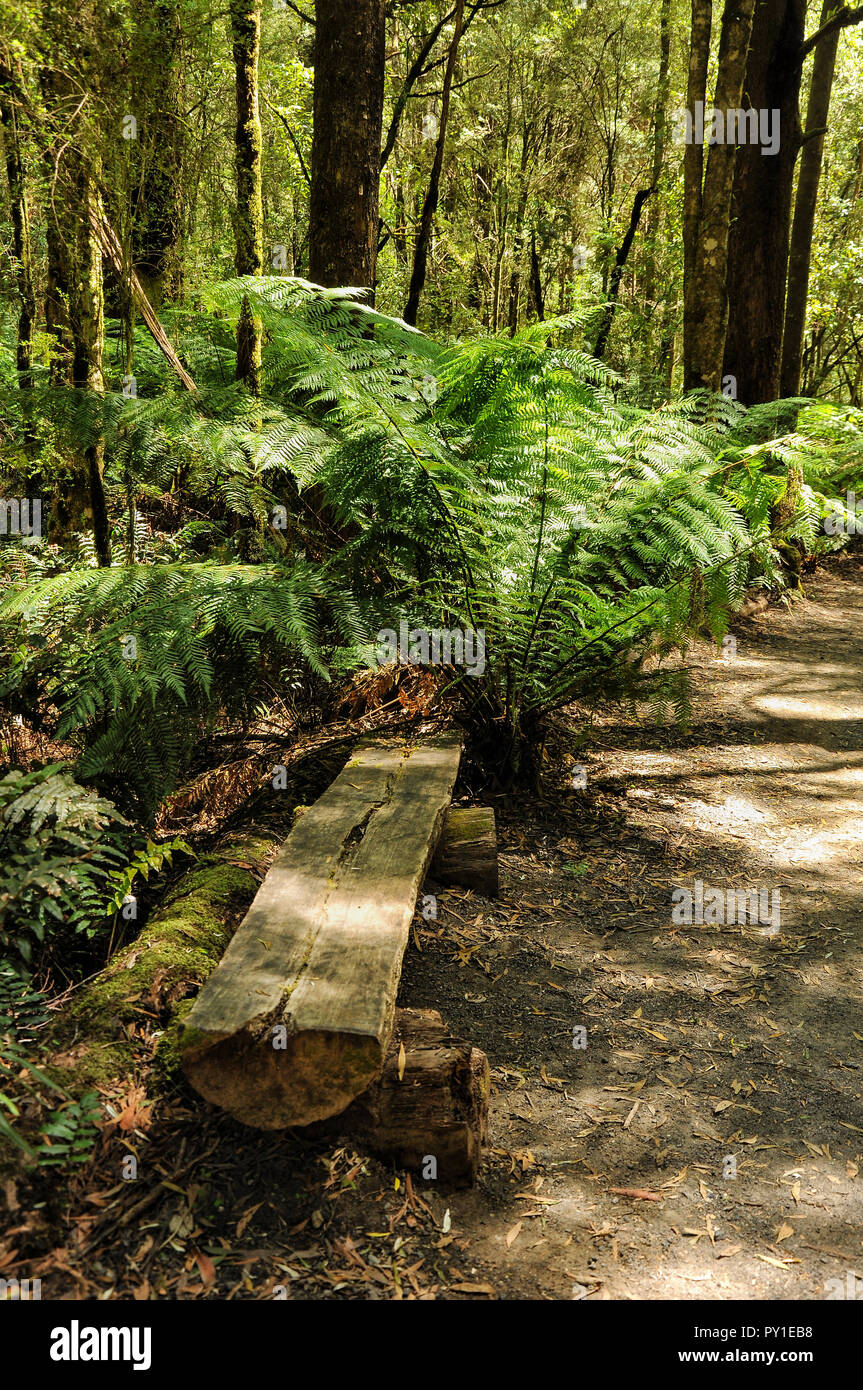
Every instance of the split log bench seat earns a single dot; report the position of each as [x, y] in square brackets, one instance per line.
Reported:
[298, 1020]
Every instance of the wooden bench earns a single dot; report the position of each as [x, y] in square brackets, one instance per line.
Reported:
[298, 1020]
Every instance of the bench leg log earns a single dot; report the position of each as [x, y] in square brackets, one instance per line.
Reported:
[433, 1119]
[467, 853]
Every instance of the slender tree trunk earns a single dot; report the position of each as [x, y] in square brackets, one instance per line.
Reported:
[536, 304]
[693, 175]
[350, 52]
[803, 227]
[660, 136]
[418, 277]
[616, 275]
[709, 304]
[87, 316]
[249, 221]
[519, 241]
[761, 206]
[20, 226]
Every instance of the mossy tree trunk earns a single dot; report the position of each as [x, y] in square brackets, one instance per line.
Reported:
[87, 319]
[9, 117]
[249, 217]
[346, 148]
[157, 198]
[708, 315]
[75, 309]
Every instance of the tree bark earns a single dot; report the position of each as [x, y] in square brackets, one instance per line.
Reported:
[708, 301]
[693, 173]
[761, 206]
[87, 317]
[346, 146]
[157, 205]
[802, 230]
[418, 276]
[20, 226]
[249, 219]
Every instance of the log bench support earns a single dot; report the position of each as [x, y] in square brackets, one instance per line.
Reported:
[428, 1111]
[467, 853]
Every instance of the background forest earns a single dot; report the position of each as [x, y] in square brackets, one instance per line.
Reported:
[317, 319]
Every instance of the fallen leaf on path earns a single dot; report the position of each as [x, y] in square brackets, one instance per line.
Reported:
[640, 1192]
[207, 1268]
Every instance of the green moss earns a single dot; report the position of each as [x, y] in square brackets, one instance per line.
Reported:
[176, 951]
[168, 1060]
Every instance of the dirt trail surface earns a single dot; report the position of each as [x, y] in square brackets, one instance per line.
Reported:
[720, 1085]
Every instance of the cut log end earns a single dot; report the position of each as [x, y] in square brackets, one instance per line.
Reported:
[297, 1080]
[467, 853]
[428, 1111]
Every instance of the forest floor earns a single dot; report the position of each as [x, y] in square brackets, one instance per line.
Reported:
[721, 1082]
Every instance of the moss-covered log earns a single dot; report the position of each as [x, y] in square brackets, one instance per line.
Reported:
[175, 952]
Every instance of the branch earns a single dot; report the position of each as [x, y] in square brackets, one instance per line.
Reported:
[813, 134]
[840, 20]
[293, 139]
[113, 252]
[418, 69]
[306, 18]
[414, 73]
[456, 86]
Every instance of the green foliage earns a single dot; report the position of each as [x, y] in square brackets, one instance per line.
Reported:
[58, 853]
[68, 861]
[71, 1133]
[143, 658]
[506, 485]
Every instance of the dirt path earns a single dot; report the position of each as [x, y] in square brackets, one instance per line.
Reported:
[724, 1062]
[723, 1069]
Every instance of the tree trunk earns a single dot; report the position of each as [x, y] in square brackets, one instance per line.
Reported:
[58, 269]
[761, 206]
[418, 277]
[620, 259]
[693, 175]
[535, 303]
[87, 316]
[350, 50]
[20, 227]
[660, 137]
[157, 198]
[708, 301]
[802, 231]
[249, 221]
